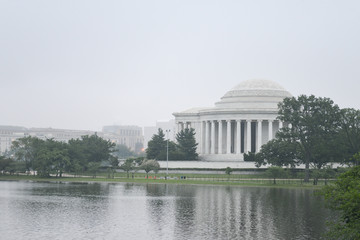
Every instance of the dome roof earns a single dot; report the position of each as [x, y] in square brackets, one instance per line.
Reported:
[254, 94]
[258, 87]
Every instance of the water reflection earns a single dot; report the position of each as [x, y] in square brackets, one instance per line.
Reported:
[157, 211]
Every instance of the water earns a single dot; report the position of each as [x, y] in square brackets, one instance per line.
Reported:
[55, 210]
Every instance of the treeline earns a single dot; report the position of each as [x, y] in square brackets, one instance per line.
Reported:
[48, 156]
[316, 133]
[160, 148]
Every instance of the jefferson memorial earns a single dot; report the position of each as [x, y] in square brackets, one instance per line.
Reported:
[243, 120]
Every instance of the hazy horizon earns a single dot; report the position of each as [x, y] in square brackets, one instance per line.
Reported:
[85, 64]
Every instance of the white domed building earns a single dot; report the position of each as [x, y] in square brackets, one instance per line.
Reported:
[242, 121]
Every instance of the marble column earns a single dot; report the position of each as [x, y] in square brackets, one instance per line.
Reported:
[202, 137]
[207, 136]
[238, 136]
[248, 135]
[178, 127]
[228, 137]
[259, 135]
[212, 143]
[270, 130]
[220, 138]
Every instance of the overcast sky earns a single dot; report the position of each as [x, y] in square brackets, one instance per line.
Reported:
[82, 64]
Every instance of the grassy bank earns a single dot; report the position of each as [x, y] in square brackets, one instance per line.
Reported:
[198, 179]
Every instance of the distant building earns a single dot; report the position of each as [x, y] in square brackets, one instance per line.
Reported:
[63, 135]
[131, 136]
[164, 125]
[8, 134]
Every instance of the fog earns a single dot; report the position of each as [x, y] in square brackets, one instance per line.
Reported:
[85, 64]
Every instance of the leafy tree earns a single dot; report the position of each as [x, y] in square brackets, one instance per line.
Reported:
[128, 165]
[314, 125]
[97, 148]
[122, 151]
[4, 163]
[228, 170]
[350, 133]
[250, 157]
[89, 149]
[150, 165]
[174, 152]
[187, 143]
[354, 160]
[275, 172]
[327, 173]
[51, 156]
[278, 152]
[114, 164]
[156, 146]
[59, 156]
[25, 150]
[344, 196]
[93, 167]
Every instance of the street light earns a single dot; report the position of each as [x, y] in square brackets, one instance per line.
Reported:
[167, 152]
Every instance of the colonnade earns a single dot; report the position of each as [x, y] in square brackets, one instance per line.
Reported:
[232, 136]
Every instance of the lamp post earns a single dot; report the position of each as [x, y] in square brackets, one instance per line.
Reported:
[167, 152]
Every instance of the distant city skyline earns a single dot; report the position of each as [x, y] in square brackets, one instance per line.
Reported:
[87, 64]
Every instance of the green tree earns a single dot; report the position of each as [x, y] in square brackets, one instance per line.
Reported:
[174, 152]
[350, 133]
[97, 148]
[25, 149]
[114, 164]
[344, 196]
[128, 165]
[60, 159]
[122, 151]
[15, 167]
[228, 171]
[314, 125]
[275, 172]
[278, 152]
[187, 143]
[51, 156]
[93, 167]
[150, 165]
[251, 157]
[157, 146]
[327, 173]
[4, 163]
[89, 149]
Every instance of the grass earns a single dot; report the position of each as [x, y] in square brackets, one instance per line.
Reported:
[198, 179]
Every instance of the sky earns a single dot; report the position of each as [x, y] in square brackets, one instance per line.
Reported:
[84, 64]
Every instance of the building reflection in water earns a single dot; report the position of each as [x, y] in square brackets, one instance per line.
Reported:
[158, 211]
[227, 212]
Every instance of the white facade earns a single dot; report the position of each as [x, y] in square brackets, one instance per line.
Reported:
[241, 122]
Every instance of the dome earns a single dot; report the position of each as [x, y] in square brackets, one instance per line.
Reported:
[254, 94]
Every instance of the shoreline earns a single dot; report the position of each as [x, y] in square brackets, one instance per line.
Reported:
[243, 183]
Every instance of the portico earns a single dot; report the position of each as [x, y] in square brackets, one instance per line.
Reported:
[241, 122]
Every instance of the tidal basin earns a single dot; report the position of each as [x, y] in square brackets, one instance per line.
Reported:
[61, 210]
